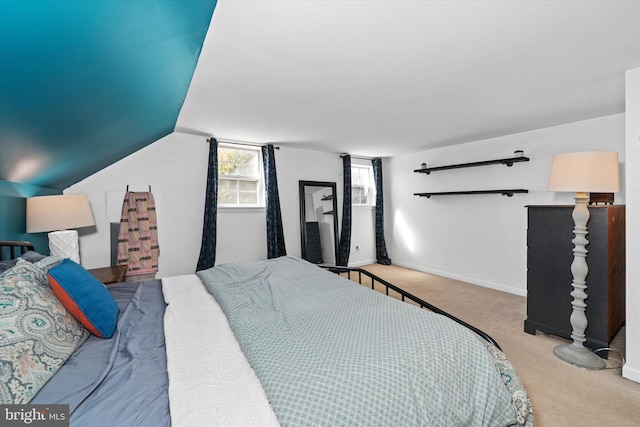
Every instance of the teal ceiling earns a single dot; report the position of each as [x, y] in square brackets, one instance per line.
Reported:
[86, 83]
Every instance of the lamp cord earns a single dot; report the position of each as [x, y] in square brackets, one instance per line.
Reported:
[610, 350]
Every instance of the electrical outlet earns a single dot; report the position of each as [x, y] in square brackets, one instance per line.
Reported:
[357, 248]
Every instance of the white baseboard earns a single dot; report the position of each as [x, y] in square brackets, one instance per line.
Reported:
[473, 281]
[361, 263]
[631, 373]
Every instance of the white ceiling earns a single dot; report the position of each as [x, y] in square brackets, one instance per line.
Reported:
[381, 78]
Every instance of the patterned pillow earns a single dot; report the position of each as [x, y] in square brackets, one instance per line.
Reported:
[46, 263]
[43, 261]
[37, 334]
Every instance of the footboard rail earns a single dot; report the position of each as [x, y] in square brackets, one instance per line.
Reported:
[405, 295]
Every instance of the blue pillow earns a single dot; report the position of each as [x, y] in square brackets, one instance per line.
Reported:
[85, 297]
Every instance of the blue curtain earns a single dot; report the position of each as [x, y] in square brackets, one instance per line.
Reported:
[208, 246]
[381, 247]
[275, 234]
[344, 248]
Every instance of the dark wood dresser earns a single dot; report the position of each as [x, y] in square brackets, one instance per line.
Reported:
[549, 258]
[109, 275]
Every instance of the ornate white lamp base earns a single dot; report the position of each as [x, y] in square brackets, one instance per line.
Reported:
[579, 356]
[65, 244]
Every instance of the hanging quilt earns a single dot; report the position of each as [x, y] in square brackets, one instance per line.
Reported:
[138, 237]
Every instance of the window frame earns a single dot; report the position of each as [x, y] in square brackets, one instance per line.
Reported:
[371, 197]
[259, 178]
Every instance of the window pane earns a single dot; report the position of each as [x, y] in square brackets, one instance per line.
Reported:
[226, 168]
[248, 169]
[227, 184]
[226, 161]
[248, 186]
[358, 195]
[238, 162]
[247, 156]
[364, 177]
[227, 154]
[248, 198]
[356, 179]
[227, 197]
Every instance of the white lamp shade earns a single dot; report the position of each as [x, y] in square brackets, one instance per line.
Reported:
[63, 212]
[588, 172]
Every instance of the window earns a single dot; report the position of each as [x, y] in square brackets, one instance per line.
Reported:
[240, 178]
[362, 186]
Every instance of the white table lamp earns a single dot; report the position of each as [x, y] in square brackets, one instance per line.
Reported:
[593, 171]
[59, 215]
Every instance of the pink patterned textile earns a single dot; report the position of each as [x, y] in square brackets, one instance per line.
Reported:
[138, 237]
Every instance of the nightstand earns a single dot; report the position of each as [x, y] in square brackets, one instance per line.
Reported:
[107, 275]
[549, 258]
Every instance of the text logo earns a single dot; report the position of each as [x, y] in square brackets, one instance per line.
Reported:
[34, 415]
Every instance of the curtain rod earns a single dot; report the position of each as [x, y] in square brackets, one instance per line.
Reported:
[358, 157]
[232, 142]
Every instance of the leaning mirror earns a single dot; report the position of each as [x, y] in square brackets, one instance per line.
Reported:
[318, 222]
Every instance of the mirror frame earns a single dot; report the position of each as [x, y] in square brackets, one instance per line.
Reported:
[302, 185]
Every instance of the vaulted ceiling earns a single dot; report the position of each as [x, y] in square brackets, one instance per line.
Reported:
[85, 83]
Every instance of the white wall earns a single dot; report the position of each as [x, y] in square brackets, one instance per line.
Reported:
[631, 369]
[295, 165]
[176, 167]
[481, 239]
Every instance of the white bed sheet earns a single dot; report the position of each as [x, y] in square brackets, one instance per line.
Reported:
[210, 380]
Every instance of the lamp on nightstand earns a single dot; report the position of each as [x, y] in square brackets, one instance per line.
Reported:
[59, 215]
[592, 171]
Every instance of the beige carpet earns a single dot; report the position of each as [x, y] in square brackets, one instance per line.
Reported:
[561, 394]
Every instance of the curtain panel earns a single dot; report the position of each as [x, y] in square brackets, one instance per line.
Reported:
[275, 233]
[344, 248]
[208, 246]
[381, 247]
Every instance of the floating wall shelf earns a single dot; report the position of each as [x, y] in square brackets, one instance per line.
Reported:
[507, 162]
[507, 193]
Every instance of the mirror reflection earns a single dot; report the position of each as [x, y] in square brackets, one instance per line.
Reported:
[318, 222]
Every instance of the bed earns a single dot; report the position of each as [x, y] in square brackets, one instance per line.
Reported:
[277, 342]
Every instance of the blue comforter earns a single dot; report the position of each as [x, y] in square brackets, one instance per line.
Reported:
[330, 352]
[103, 377]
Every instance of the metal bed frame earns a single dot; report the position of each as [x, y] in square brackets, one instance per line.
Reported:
[14, 248]
[406, 295]
[24, 246]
